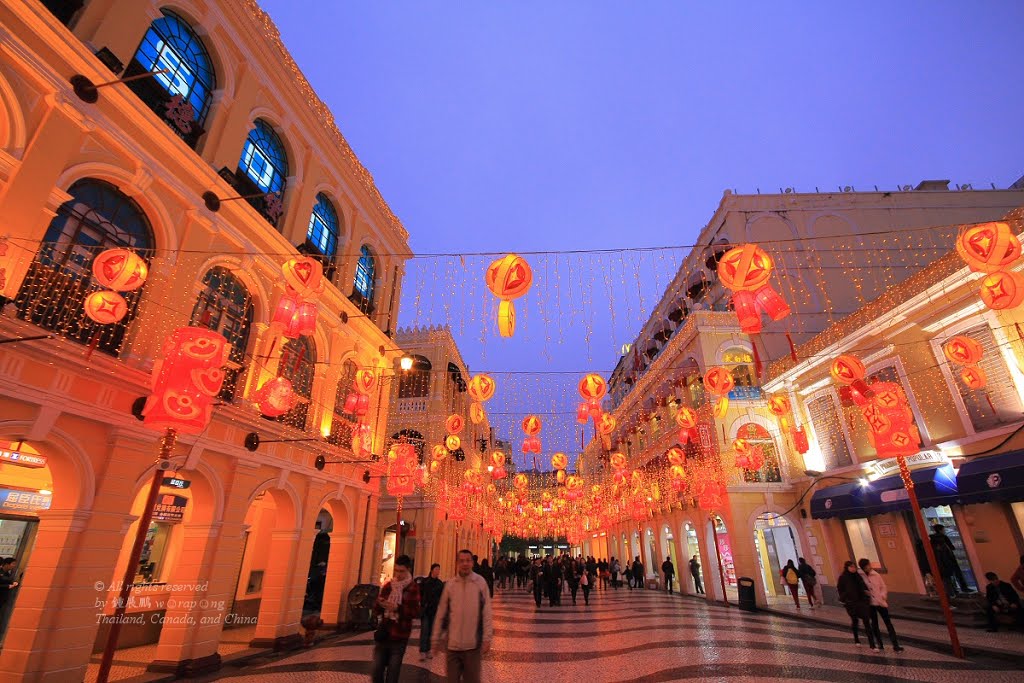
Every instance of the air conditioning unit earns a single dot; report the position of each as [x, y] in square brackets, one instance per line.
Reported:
[848, 188]
[789, 190]
[906, 188]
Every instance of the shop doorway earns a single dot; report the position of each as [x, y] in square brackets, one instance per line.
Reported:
[964, 579]
[652, 555]
[316, 578]
[692, 550]
[727, 569]
[17, 535]
[775, 543]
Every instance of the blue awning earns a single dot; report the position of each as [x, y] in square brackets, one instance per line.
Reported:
[996, 477]
[846, 501]
[933, 485]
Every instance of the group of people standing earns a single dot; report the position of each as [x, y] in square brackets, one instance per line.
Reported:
[551, 576]
[863, 592]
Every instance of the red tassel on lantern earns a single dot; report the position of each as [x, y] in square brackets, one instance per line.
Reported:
[792, 347]
[757, 360]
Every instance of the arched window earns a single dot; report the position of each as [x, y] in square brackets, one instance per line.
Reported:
[739, 361]
[182, 95]
[263, 159]
[364, 282]
[323, 233]
[225, 306]
[97, 217]
[342, 422]
[298, 365]
[758, 437]
[415, 383]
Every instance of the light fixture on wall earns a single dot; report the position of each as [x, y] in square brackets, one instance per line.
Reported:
[88, 92]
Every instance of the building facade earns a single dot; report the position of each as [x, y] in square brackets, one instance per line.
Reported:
[432, 390]
[833, 253]
[216, 165]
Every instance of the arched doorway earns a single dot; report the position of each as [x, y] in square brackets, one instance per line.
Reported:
[316, 577]
[692, 550]
[775, 542]
[651, 560]
[721, 562]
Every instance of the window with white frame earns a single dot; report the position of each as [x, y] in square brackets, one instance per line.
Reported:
[862, 542]
[997, 403]
[829, 431]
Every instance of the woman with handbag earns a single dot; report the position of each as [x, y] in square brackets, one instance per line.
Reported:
[397, 605]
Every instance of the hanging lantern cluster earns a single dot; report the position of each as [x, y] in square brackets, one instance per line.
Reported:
[849, 371]
[481, 389]
[592, 388]
[357, 402]
[508, 278]
[992, 248]
[719, 382]
[686, 418]
[746, 270]
[186, 380]
[748, 456]
[296, 310]
[968, 353]
[891, 428]
[473, 481]
[531, 426]
[119, 270]
[402, 470]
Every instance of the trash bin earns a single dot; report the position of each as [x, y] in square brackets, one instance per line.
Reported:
[748, 595]
[360, 605]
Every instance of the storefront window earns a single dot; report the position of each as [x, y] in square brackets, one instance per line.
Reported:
[154, 550]
[775, 545]
[725, 552]
[387, 566]
[862, 543]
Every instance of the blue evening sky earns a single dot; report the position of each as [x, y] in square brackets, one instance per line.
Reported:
[548, 126]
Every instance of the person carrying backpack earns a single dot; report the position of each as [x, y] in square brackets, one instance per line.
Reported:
[791, 576]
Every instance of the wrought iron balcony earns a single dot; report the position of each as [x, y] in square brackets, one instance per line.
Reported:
[173, 110]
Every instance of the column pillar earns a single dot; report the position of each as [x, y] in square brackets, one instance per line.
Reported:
[339, 579]
[280, 609]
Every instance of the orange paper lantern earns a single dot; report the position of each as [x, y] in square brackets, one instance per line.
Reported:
[439, 453]
[105, 307]
[618, 461]
[963, 350]
[605, 424]
[481, 388]
[120, 269]
[509, 277]
[506, 319]
[476, 413]
[531, 425]
[559, 461]
[521, 481]
[676, 456]
[453, 442]
[721, 407]
[988, 247]
[719, 381]
[365, 381]
[746, 270]
[454, 423]
[1002, 290]
[779, 405]
[974, 377]
[593, 387]
[498, 459]
[847, 369]
[686, 418]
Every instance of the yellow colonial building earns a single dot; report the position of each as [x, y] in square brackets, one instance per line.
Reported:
[433, 389]
[213, 159]
[833, 254]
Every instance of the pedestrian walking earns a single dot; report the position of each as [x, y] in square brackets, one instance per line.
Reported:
[397, 605]
[695, 573]
[945, 557]
[537, 578]
[430, 598]
[485, 571]
[809, 578]
[879, 604]
[854, 595]
[587, 583]
[791, 576]
[669, 570]
[464, 623]
[614, 569]
[573, 573]
[638, 572]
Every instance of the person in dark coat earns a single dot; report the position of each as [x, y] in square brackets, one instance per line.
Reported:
[536, 576]
[573, 571]
[945, 557]
[695, 573]
[854, 595]
[669, 570]
[638, 572]
[430, 598]
[553, 573]
[1001, 598]
[809, 578]
[485, 571]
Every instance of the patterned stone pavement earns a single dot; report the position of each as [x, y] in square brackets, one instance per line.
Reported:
[643, 635]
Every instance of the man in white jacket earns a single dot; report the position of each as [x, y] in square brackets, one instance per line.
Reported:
[879, 604]
[464, 619]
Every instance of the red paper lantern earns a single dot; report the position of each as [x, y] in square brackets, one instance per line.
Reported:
[305, 275]
[890, 421]
[105, 307]
[276, 397]
[186, 380]
[746, 270]
[481, 388]
[605, 424]
[454, 423]
[686, 418]
[618, 461]
[988, 247]
[498, 459]
[800, 441]
[509, 277]
[439, 453]
[963, 350]
[593, 387]
[453, 442]
[120, 269]
[294, 316]
[847, 369]
[719, 381]
[521, 481]
[1002, 290]
[582, 413]
[402, 470]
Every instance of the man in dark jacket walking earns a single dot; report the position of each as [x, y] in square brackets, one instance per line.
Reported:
[669, 570]
[430, 597]
[695, 573]
[638, 572]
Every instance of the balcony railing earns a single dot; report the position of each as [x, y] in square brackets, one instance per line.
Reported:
[267, 204]
[168, 108]
[411, 405]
